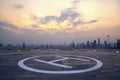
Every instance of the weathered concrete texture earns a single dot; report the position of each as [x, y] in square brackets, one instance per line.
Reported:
[9, 70]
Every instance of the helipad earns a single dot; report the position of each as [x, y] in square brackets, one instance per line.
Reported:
[60, 65]
[70, 69]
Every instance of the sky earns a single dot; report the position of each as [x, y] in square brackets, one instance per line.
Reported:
[58, 21]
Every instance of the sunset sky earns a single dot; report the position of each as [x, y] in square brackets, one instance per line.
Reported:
[58, 21]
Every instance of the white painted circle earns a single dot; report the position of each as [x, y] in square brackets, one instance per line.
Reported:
[95, 67]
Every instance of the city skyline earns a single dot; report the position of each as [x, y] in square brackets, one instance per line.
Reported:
[58, 22]
[99, 41]
[95, 44]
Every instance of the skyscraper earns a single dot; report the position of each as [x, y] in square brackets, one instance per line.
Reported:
[88, 44]
[118, 44]
[94, 44]
[23, 45]
[105, 44]
[98, 42]
[108, 36]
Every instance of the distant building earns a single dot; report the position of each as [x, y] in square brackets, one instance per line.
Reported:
[94, 44]
[78, 46]
[115, 45]
[72, 45]
[24, 46]
[98, 42]
[1, 46]
[118, 44]
[10, 47]
[105, 44]
[82, 45]
[88, 44]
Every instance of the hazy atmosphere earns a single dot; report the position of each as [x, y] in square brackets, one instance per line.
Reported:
[58, 21]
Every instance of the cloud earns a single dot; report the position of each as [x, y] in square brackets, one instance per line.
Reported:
[34, 26]
[92, 21]
[10, 27]
[78, 23]
[68, 19]
[48, 19]
[6, 24]
[69, 14]
[18, 6]
[75, 2]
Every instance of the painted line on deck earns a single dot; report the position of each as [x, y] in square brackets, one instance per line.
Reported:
[22, 65]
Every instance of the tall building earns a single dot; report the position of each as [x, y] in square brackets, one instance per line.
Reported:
[23, 45]
[82, 45]
[105, 44]
[94, 44]
[118, 44]
[10, 47]
[78, 46]
[98, 42]
[73, 45]
[115, 45]
[88, 44]
[108, 36]
[2, 46]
